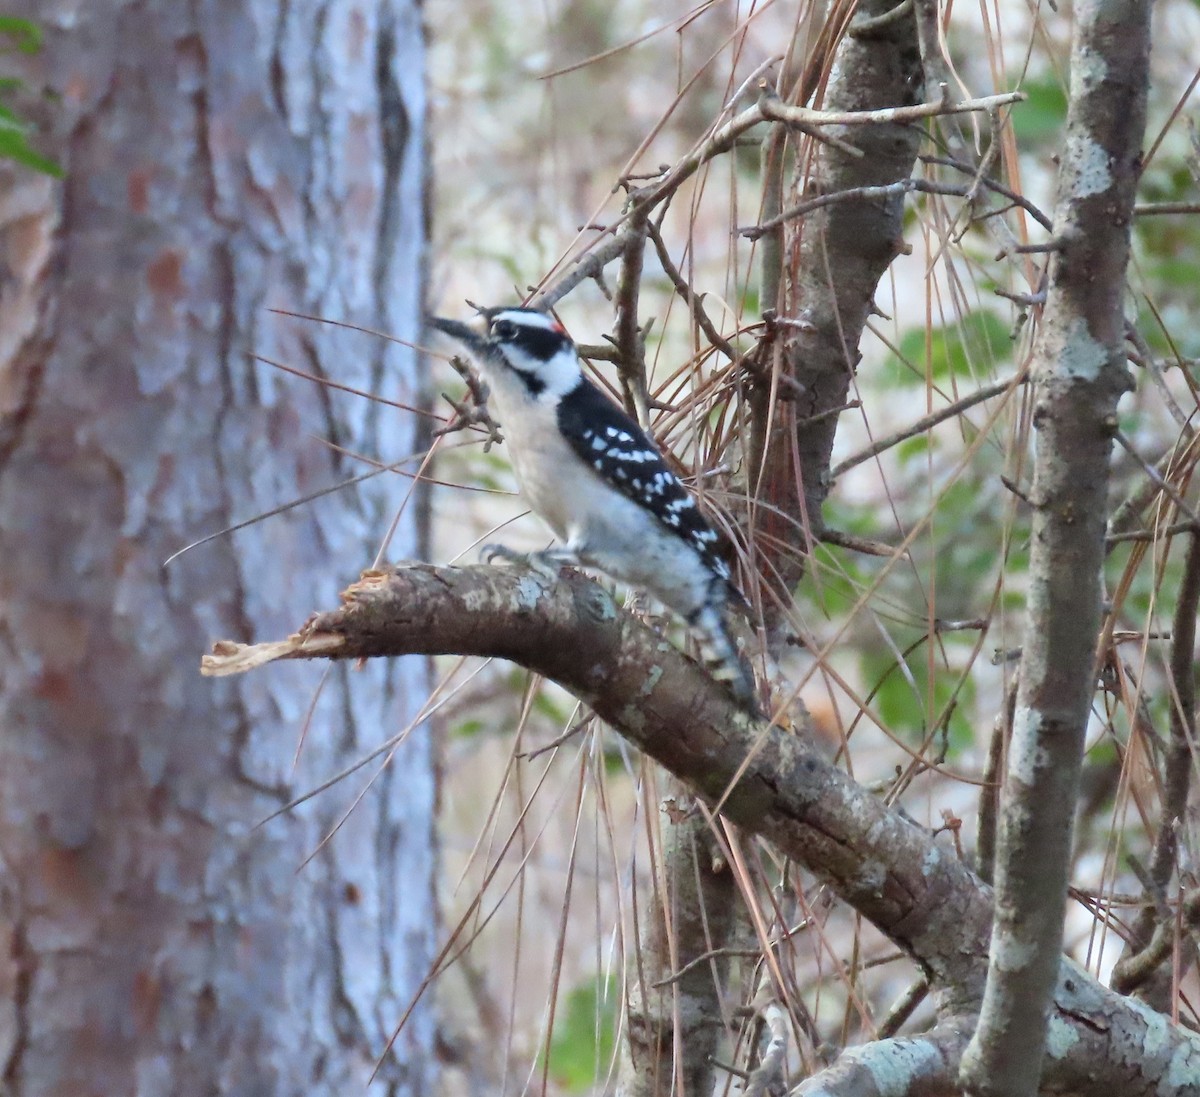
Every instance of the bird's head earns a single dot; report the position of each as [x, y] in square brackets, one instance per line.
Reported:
[528, 344]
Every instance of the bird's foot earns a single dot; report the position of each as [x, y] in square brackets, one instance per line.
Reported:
[547, 563]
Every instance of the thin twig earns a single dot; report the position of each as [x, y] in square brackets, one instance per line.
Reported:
[1151, 209]
[781, 112]
[773, 108]
[856, 544]
[828, 413]
[689, 296]
[1130, 509]
[704, 958]
[474, 410]
[1145, 358]
[737, 1072]
[857, 194]
[869, 28]
[992, 185]
[1131, 971]
[769, 1071]
[1046, 247]
[1151, 534]
[326, 382]
[770, 108]
[586, 266]
[902, 1009]
[1164, 485]
[1025, 300]
[629, 338]
[1178, 768]
[926, 423]
[989, 792]
[283, 508]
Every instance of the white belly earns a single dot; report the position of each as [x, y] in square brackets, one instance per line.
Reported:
[603, 527]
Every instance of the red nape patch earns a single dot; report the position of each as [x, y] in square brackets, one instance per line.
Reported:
[555, 326]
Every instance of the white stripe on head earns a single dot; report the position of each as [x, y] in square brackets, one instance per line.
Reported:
[535, 347]
[530, 318]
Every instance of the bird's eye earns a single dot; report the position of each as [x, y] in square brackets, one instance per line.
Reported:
[504, 329]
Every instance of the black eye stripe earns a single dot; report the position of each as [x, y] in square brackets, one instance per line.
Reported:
[540, 343]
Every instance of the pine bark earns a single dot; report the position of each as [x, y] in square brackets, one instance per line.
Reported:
[221, 159]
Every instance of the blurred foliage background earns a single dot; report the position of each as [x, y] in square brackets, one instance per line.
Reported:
[906, 660]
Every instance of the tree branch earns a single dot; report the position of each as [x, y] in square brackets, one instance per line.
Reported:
[927, 422]
[674, 1016]
[1080, 375]
[916, 1066]
[769, 781]
[832, 270]
[1153, 936]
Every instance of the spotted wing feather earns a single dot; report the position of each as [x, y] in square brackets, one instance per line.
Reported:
[612, 444]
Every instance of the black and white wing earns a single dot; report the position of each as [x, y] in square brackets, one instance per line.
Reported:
[620, 452]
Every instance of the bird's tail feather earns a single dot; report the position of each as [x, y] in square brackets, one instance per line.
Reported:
[727, 663]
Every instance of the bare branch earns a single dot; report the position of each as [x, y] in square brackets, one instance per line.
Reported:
[1154, 932]
[768, 1075]
[993, 185]
[1079, 367]
[1127, 514]
[1164, 485]
[828, 280]
[989, 792]
[856, 194]
[855, 543]
[1150, 534]
[589, 265]
[926, 1065]
[802, 116]
[629, 338]
[1177, 776]
[903, 1008]
[867, 28]
[767, 780]
[474, 410]
[691, 917]
[1151, 209]
[689, 296]
[927, 422]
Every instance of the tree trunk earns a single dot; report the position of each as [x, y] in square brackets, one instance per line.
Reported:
[674, 1018]
[221, 159]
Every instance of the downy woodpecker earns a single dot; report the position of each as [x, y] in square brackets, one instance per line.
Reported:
[596, 479]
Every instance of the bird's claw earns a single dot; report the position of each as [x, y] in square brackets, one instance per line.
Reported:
[547, 564]
[491, 552]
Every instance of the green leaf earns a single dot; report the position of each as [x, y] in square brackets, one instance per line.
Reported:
[977, 342]
[26, 35]
[1043, 115]
[468, 729]
[13, 146]
[584, 1034]
[912, 448]
[902, 696]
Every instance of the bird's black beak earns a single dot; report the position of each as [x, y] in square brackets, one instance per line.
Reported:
[470, 337]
